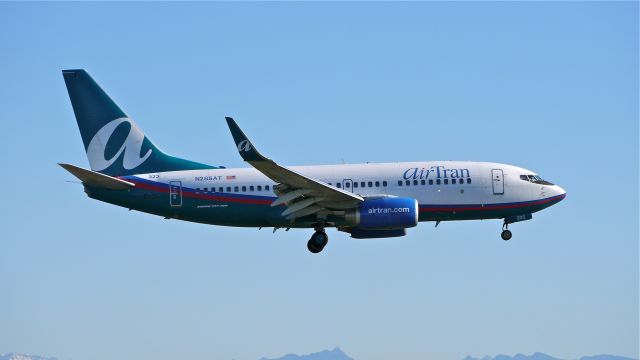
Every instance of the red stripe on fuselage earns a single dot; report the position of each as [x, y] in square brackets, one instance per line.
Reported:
[490, 206]
[186, 192]
[227, 199]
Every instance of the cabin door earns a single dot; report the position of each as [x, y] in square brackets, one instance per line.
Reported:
[175, 193]
[497, 179]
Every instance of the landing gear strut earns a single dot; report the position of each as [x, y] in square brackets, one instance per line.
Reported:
[318, 240]
[506, 233]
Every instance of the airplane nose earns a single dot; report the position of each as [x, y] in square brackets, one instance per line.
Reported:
[560, 192]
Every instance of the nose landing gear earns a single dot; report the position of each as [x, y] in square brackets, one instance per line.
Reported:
[318, 241]
[506, 233]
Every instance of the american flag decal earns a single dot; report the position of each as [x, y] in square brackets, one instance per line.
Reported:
[232, 177]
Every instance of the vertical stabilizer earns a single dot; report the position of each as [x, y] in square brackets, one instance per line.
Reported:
[114, 144]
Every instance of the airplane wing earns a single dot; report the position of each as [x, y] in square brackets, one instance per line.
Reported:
[303, 195]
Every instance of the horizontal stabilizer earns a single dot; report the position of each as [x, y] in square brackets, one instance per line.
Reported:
[97, 179]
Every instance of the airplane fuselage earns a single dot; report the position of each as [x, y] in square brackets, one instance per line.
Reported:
[445, 190]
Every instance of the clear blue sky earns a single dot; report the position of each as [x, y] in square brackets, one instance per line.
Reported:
[552, 87]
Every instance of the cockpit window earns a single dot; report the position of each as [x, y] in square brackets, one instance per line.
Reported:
[535, 179]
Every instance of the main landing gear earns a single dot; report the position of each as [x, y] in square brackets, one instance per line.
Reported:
[318, 240]
[506, 233]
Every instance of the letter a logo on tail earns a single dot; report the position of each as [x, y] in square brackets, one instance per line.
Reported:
[131, 147]
[244, 145]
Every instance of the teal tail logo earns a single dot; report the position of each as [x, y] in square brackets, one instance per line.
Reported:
[114, 143]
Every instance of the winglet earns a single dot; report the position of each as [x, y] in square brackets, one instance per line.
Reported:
[245, 147]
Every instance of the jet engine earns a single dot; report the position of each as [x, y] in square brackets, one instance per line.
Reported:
[384, 213]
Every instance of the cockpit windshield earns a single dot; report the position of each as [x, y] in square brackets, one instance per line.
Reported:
[535, 179]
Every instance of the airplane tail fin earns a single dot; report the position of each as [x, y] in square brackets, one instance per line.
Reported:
[115, 145]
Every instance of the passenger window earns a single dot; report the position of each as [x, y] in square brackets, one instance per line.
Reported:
[251, 188]
[468, 180]
[446, 181]
[220, 189]
[422, 182]
[384, 183]
[438, 181]
[235, 189]
[377, 183]
[228, 188]
[399, 182]
[355, 184]
[206, 189]
[259, 187]
[197, 190]
[430, 182]
[347, 184]
[362, 184]
[338, 185]
[266, 188]
[407, 182]
[453, 181]
[244, 188]
[370, 184]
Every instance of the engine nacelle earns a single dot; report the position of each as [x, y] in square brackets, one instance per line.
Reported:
[385, 213]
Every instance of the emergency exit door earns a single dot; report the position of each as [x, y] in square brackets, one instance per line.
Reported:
[347, 184]
[175, 193]
[497, 179]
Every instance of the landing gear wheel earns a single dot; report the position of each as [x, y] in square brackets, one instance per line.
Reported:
[318, 241]
[506, 235]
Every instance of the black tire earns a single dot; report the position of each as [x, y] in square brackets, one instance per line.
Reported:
[320, 238]
[311, 246]
[317, 242]
[506, 235]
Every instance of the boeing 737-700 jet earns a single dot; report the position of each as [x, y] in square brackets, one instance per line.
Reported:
[365, 200]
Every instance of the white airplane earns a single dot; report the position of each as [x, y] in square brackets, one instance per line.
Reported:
[365, 200]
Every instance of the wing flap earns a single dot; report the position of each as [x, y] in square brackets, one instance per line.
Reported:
[291, 195]
[305, 212]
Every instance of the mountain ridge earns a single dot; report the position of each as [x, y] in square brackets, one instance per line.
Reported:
[543, 356]
[335, 354]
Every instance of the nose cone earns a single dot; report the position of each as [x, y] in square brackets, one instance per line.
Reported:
[559, 192]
